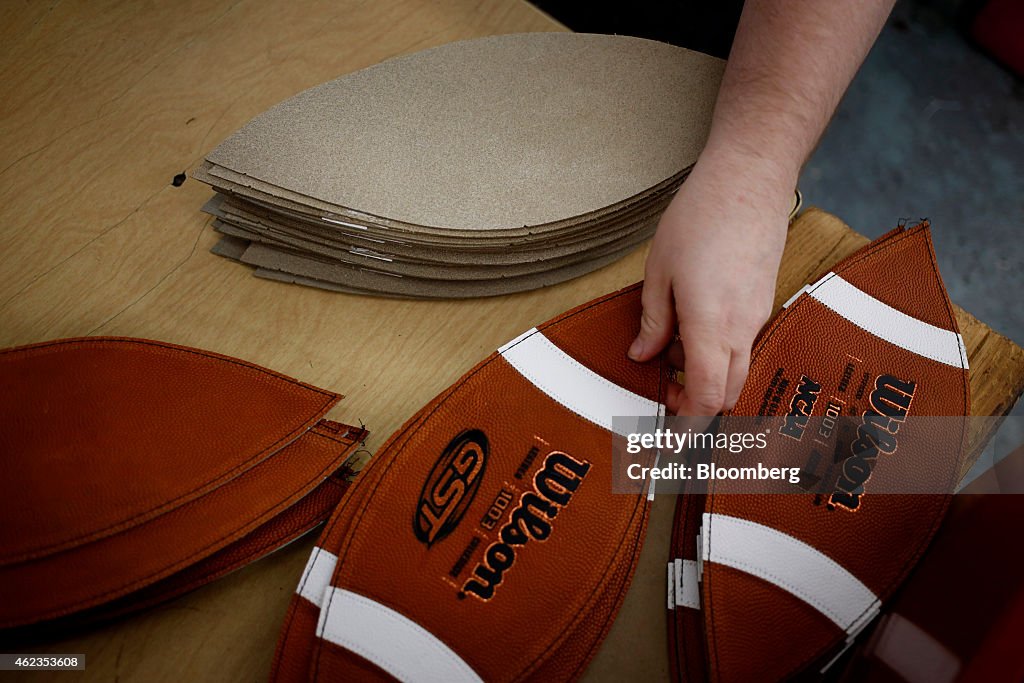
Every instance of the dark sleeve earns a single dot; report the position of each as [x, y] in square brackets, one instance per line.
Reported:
[703, 25]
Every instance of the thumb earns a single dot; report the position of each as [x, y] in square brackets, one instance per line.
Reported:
[657, 322]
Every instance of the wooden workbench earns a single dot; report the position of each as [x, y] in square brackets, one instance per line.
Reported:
[103, 103]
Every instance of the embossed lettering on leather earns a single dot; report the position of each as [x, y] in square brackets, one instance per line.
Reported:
[527, 582]
[788, 578]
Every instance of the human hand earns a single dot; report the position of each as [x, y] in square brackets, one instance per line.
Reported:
[710, 276]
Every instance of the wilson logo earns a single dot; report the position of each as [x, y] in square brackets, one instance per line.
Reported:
[876, 435]
[451, 487]
[553, 488]
[800, 408]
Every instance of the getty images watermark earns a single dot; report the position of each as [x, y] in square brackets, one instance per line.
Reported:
[666, 441]
[840, 460]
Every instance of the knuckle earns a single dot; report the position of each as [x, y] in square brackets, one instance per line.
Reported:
[708, 400]
[707, 332]
[649, 322]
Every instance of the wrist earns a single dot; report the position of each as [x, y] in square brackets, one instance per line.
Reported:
[756, 180]
[766, 166]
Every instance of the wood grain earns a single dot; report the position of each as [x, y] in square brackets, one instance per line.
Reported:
[103, 102]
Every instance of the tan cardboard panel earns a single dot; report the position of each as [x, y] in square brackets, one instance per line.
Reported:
[378, 255]
[338, 233]
[439, 271]
[267, 253]
[494, 133]
[274, 199]
[363, 281]
[367, 249]
[230, 247]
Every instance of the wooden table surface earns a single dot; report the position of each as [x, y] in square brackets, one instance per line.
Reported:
[103, 102]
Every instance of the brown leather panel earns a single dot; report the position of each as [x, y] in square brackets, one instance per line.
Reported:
[93, 573]
[334, 658]
[882, 537]
[300, 518]
[920, 293]
[297, 643]
[762, 634]
[585, 334]
[563, 588]
[571, 658]
[103, 434]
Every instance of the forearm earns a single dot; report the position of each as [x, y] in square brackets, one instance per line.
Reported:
[790, 64]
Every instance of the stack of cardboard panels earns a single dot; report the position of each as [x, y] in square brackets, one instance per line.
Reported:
[475, 168]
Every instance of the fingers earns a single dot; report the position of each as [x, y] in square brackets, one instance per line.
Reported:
[716, 369]
[739, 367]
[708, 357]
[657, 322]
[675, 355]
[673, 395]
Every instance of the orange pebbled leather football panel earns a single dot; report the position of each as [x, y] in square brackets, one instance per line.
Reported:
[573, 656]
[921, 292]
[761, 648]
[296, 521]
[84, 417]
[881, 541]
[296, 644]
[605, 353]
[94, 573]
[371, 569]
[563, 588]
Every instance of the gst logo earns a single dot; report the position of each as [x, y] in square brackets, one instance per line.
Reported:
[451, 487]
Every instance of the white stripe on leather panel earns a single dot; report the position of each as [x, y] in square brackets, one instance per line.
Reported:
[796, 296]
[885, 322]
[687, 589]
[790, 564]
[653, 481]
[572, 384]
[389, 640]
[317, 575]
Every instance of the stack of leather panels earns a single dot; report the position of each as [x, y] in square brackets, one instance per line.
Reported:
[507, 554]
[863, 385]
[135, 471]
[476, 168]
